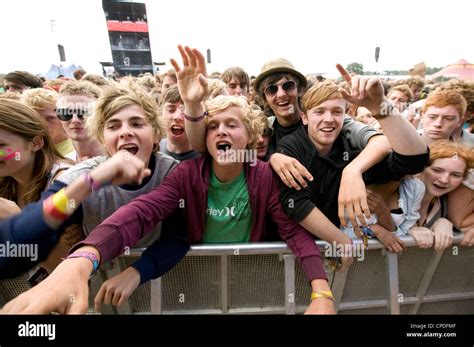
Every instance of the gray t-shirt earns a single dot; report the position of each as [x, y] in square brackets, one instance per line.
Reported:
[192, 154]
[102, 203]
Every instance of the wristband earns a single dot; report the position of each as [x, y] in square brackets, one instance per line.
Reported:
[61, 201]
[89, 255]
[327, 294]
[386, 110]
[195, 119]
[95, 185]
[51, 210]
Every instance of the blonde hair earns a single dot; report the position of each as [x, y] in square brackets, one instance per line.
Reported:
[448, 149]
[11, 96]
[236, 72]
[117, 98]
[216, 87]
[249, 115]
[39, 98]
[80, 88]
[320, 93]
[402, 88]
[98, 80]
[171, 95]
[23, 121]
[147, 82]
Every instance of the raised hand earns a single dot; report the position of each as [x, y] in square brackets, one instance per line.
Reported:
[365, 91]
[192, 81]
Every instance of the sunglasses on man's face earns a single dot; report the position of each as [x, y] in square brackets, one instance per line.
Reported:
[287, 86]
[65, 114]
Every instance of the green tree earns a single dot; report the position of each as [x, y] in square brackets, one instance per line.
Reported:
[355, 68]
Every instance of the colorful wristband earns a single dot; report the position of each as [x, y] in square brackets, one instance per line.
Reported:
[89, 255]
[195, 119]
[92, 183]
[327, 294]
[50, 209]
[61, 201]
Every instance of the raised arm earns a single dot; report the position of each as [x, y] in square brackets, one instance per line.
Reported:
[368, 92]
[192, 85]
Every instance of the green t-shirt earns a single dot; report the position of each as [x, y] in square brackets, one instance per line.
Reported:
[228, 214]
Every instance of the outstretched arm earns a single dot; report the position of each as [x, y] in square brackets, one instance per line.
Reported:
[121, 168]
[65, 290]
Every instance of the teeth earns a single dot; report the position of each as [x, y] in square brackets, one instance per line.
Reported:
[128, 146]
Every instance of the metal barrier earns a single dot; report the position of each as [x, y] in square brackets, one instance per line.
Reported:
[265, 278]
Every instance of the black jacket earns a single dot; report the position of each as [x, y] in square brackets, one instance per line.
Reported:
[323, 191]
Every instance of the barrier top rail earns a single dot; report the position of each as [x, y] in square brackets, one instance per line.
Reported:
[278, 247]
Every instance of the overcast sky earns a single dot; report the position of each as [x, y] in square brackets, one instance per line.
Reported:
[313, 35]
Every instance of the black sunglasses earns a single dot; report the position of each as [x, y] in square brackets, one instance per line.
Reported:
[287, 86]
[65, 114]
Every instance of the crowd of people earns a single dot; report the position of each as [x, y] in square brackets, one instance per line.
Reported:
[90, 167]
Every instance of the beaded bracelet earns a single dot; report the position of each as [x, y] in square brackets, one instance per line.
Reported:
[195, 119]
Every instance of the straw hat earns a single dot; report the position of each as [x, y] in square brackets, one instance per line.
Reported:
[278, 65]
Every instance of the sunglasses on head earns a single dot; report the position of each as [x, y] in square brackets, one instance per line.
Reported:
[287, 86]
[65, 114]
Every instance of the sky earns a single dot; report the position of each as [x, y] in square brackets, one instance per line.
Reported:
[313, 35]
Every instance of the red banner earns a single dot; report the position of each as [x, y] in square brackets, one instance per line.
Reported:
[134, 27]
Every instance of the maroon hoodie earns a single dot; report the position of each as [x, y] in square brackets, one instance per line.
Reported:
[186, 187]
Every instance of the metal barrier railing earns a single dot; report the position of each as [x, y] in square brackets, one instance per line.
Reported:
[265, 278]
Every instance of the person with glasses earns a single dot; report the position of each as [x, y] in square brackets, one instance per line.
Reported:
[44, 102]
[280, 86]
[75, 102]
[222, 202]
[127, 125]
[29, 163]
